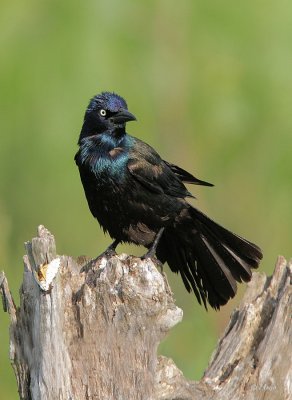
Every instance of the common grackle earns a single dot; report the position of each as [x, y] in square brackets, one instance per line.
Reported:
[139, 198]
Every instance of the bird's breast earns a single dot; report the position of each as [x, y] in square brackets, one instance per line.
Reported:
[103, 160]
[108, 168]
[104, 165]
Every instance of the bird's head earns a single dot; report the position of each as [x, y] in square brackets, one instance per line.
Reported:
[106, 112]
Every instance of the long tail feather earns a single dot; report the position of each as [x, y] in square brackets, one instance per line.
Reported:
[210, 258]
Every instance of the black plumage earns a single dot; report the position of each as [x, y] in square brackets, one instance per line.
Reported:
[137, 197]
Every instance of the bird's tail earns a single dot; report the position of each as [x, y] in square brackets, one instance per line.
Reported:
[209, 258]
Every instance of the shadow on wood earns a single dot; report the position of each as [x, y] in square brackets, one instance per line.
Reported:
[90, 330]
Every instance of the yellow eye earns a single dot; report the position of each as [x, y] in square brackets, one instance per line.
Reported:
[102, 112]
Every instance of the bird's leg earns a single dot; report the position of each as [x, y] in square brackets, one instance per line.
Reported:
[110, 251]
[152, 251]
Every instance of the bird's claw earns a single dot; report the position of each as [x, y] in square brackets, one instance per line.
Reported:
[109, 252]
[150, 255]
[106, 254]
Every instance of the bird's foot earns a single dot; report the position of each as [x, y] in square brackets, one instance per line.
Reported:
[98, 261]
[109, 252]
[151, 253]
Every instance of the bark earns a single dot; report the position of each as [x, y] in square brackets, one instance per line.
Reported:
[88, 329]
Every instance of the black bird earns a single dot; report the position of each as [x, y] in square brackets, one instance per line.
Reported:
[139, 198]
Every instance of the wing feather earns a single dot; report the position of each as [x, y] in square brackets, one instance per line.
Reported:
[185, 176]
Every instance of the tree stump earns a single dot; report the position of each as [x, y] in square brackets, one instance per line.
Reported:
[89, 329]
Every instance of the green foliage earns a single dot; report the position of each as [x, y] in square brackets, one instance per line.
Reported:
[210, 84]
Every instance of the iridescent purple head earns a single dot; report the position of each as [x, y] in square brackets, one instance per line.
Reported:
[106, 112]
[109, 101]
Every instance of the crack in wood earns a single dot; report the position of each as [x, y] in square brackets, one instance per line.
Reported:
[95, 335]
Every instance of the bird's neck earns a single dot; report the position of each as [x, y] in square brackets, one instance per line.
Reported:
[90, 129]
[110, 140]
[105, 156]
[103, 145]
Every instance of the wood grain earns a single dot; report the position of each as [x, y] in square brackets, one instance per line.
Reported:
[94, 334]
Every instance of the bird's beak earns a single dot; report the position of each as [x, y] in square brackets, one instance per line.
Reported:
[123, 116]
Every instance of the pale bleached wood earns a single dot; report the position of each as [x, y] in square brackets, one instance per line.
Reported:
[95, 333]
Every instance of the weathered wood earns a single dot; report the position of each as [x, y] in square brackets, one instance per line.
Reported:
[254, 356]
[94, 333]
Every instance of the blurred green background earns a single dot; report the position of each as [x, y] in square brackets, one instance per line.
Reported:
[210, 83]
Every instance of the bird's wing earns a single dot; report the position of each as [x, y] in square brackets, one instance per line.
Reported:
[146, 166]
[185, 176]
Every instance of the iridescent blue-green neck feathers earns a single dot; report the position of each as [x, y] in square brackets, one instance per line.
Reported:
[105, 156]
